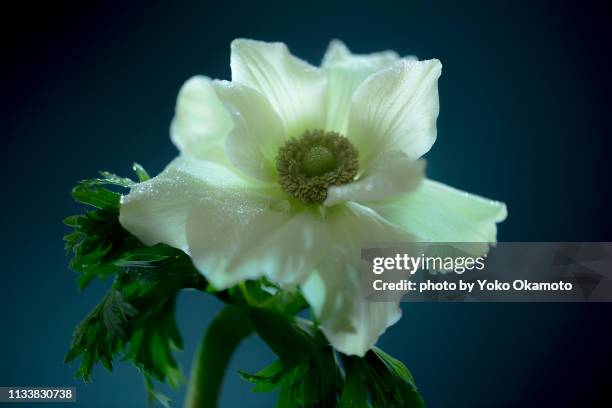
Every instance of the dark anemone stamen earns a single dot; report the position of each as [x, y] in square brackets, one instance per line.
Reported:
[310, 164]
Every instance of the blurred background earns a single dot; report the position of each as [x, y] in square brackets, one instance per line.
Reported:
[525, 108]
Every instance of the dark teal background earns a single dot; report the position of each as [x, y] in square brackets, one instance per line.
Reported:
[525, 112]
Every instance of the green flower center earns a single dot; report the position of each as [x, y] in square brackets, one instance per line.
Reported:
[308, 165]
[318, 160]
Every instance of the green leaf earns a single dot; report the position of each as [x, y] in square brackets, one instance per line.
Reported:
[306, 374]
[135, 320]
[388, 381]
[97, 241]
[154, 395]
[152, 342]
[266, 379]
[315, 382]
[115, 314]
[100, 336]
[90, 193]
[289, 337]
[323, 379]
[141, 173]
[113, 179]
[355, 391]
[395, 365]
[102, 247]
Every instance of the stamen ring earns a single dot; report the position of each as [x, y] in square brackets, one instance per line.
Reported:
[308, 165]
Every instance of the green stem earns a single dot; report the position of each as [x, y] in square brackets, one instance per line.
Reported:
[223, 336]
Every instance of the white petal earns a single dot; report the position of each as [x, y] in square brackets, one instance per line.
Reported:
[338, 54]
[392, 174]
[156, 210]
[200, 122]
[435, 212]
[396, 109]
[370, 320]
[257, 134]
[249, 236]
[294, 88]
[345, 71]
[350, 322]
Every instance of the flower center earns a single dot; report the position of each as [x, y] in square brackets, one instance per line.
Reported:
[308, 165]
[318, 160]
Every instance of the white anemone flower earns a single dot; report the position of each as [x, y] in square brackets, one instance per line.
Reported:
[286, 170]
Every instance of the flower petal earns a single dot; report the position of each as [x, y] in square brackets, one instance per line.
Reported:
[250, 236]
[396, 109]
[253, 142]
[345, 71]
[392, 174]
[338, 54]
[156, 210]
[294, 88]
[200, 122]
[435, 212]
[350, 322]
[369, 320]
